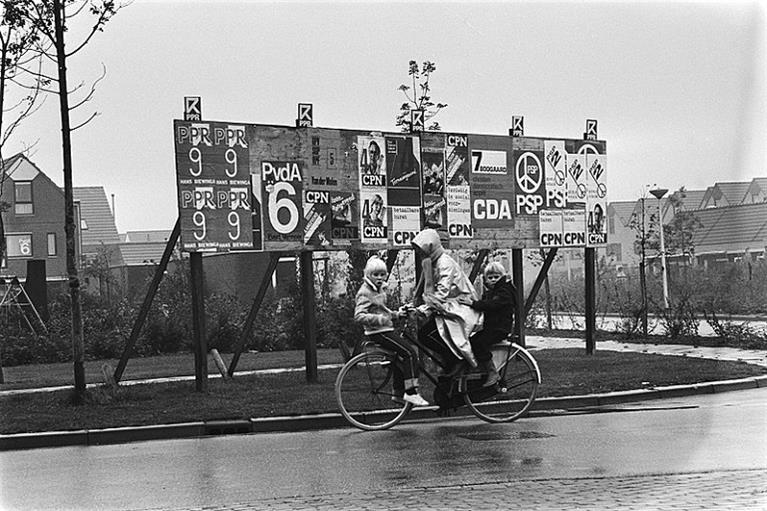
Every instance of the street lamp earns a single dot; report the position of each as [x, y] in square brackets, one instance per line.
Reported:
[658, 193]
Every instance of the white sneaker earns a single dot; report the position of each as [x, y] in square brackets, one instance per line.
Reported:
[415, 399]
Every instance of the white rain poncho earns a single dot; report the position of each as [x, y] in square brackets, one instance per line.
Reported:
[447, 282]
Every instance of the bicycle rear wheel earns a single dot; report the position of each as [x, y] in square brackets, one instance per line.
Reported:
[514, 394]
[364, 391]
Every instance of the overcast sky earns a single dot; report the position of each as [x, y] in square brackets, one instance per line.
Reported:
[678, 89]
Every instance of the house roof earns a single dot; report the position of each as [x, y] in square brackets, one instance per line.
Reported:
[757, 186]
[158, 236]
[141, 254]
[690, 199]
[734, 191]
[622, 209]
[731, 228]
[96, 216]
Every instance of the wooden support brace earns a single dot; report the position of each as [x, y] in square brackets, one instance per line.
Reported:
[481, 256]
[274, 258]
[151, 291]
[540, 279]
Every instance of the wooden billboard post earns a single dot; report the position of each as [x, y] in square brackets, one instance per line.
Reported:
[198, 323]
[310, 323]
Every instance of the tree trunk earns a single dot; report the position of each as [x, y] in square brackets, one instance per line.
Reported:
[78, 351]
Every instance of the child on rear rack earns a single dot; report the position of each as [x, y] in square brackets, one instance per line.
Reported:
[371, 311]
[497, 303]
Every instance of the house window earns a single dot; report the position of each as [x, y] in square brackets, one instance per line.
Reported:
[23, 198]
[19, 245]
[52, 244]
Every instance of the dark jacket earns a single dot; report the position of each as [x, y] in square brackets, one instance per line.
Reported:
[498, 304]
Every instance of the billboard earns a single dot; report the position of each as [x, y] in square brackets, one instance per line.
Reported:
[280, 188]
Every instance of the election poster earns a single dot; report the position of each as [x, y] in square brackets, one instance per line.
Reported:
[213, 182]
[573, 227]
[596, 202]
[317, 213]
[459, 212]
[576, 181]
[281, 193]
[492, 190]
[458, 194]
[551, 228]
[374, 215]
[555, 178]
[371, 161]
[344, 218]
[457, 162]
[372, 186]
[403, 169]
[434, 202]
[405, 224]
[528, 173]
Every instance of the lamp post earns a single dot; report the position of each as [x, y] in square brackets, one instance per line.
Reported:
[658, 193]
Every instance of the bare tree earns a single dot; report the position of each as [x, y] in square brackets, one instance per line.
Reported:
[52, 19]
[19, 92]
[419, 96]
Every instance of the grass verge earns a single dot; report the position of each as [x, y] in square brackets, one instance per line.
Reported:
[564, 372]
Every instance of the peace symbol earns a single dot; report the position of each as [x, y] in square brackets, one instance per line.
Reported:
[529, 181]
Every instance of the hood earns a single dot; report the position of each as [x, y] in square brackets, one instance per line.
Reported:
[428, 241]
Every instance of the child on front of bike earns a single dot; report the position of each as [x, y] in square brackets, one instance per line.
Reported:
[449, 322]
[371, 311]
[497, 304]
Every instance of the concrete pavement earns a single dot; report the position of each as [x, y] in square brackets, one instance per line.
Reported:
[543, 406]
[727, 489]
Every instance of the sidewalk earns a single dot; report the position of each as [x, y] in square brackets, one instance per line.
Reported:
[542, 406]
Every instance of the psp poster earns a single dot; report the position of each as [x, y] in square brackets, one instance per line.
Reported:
[528, 173]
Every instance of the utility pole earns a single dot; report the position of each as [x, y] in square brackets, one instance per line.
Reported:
[658, 193]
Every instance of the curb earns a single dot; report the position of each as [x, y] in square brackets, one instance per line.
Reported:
[542, 407]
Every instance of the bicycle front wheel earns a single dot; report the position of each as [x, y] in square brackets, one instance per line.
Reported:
[514, 394]
[365, 394]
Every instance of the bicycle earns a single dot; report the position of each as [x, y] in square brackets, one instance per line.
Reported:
[366, 399]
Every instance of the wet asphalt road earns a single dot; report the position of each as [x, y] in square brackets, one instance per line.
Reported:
[720, 432]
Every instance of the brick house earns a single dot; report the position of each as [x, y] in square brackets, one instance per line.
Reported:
[34, 222]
